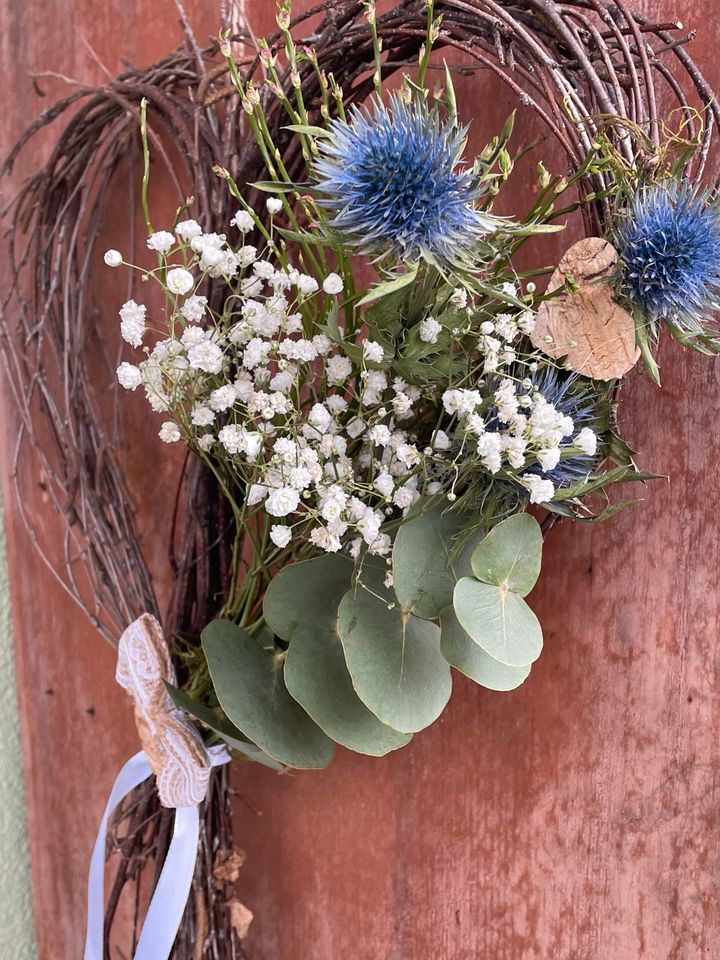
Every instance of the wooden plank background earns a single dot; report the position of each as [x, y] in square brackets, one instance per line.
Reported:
[574, 819]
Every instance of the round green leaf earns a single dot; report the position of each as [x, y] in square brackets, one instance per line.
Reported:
[301, 604]
[462, 566]
[465, 655]
[422, 574]
[252, 693]
[317, 676]
[498, 621]
[510, 555]
[394, 660]
[306, 593]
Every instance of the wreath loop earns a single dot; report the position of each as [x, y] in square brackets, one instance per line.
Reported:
[571, 65]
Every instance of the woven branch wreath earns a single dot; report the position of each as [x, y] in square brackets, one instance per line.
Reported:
[354, 517]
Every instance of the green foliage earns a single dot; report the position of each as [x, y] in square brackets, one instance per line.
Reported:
[499, 621]
[306, 593]
[422, 572]
[393, 656]
[510, 555]
[461, 652]
[489, 607]
[391, 285]
[339, 654]
[301, 606]
[317, 677]
[253, 695]
[218, 723]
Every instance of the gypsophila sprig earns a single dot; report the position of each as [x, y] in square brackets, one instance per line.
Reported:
[318, 432]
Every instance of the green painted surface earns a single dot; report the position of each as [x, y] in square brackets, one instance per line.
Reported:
[17, 929]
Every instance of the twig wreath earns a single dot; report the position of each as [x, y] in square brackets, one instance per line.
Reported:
[353, 518]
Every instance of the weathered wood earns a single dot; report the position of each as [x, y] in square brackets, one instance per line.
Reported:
[573, 818]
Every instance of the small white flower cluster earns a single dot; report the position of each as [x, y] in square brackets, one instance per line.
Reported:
[317, 438]
[516, 428]
[497, 335]
[312, 424]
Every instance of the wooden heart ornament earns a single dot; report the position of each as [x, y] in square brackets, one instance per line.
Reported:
[174, 748]
[586, 326]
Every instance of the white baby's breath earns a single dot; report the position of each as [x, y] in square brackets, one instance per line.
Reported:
[333, 284]
[169, 432]
[429, 330]
[280, 536]
[270, 389]
[132, 322]
[161, 241]
[243, 221]
[129, 376]
[541, 490]
[179, 280]
[188, 229]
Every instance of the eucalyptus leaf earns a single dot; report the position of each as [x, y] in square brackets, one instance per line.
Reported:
[317, 676]
[220, 725]
[422, 573]
[462, 564]
[302, 603]
[252, 693]
[511, 554]
[307, 593]
[394, 660]
[465, 655]
[498, 621]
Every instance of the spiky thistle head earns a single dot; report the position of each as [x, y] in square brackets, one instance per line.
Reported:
[393, 182]
[669, 245]
[579, 398]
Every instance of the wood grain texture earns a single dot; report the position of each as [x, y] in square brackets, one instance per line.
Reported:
[574, 819]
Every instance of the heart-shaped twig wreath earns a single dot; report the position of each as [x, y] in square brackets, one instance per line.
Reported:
[363, 458]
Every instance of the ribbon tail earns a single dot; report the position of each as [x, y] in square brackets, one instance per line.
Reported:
[167, 905]
[132, 774]
[173, 888]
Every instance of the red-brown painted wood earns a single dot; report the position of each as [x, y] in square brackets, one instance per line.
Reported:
[573, 819]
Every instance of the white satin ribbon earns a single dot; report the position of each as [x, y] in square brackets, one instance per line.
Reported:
[173, 887]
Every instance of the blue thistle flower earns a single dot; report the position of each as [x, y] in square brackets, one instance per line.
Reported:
[669, 244]
[392, 181]
[575, 397]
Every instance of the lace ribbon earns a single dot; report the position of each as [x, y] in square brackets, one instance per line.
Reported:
[175, 754]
